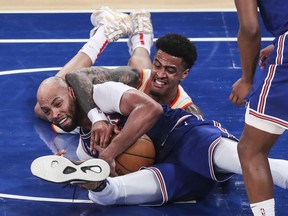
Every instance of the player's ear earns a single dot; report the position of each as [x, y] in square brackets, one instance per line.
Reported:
[71, 92]
[185, 74]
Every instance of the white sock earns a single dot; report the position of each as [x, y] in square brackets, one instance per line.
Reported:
[95, 45]
[264, 208]
[280, 177]
[140, 40]
[225, 157]
[226, 160]
[139, 187]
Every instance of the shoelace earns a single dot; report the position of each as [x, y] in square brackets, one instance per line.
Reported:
[74, 189]
[99, 188]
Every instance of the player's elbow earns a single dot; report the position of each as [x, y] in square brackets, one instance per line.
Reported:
[156, 110]
[159, 110]
[74, 79]
[72, 76]
[251, 31]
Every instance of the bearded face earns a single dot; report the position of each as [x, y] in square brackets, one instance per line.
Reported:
[166, 74]
[58, 104]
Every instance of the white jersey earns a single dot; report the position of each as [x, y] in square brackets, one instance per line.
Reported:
[107, 96]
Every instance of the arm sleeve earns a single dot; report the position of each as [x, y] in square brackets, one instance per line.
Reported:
[107, 96]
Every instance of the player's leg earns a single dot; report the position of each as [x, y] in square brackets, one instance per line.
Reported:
[141, 40]
[155, 185]
[109, 26]
[84, 58]
[226, 160]
[253, 149]
[140, 187]
[259, 135]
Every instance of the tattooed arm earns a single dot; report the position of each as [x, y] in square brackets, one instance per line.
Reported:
[94, 75]
[82, 81]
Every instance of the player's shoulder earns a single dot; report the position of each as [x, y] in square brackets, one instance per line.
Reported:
[110, 87]
[144, 78]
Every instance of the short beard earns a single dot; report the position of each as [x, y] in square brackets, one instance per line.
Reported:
[70, 128]
[75, 120]
[155, 94]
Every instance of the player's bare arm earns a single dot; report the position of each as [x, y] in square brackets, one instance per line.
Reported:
[249, 40]
[82, 86]
[143, 113]
[95, 75]
[82, 81]
[125, 74]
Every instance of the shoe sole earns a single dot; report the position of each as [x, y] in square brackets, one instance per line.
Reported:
[59, 169]
[122, 19]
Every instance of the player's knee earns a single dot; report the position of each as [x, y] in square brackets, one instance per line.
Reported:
[140, 62]
[245, 154]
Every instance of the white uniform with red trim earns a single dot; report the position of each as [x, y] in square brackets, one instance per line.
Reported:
[182, 100]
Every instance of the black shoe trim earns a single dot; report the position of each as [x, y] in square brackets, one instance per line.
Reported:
[69, 170]
[101, 186]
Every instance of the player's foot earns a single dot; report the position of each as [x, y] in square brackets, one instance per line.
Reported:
[59, 169]
[141, 22]
[95, 186]
[116, 24]
[142, 30]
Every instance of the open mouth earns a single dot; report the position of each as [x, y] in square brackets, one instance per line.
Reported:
[61, 122]
[159, 83]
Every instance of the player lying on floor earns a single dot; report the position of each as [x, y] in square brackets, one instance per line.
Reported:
[192, 154]
[174, 52]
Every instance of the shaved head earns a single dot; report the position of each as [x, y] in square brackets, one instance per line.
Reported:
[58, 103]
[51, 83]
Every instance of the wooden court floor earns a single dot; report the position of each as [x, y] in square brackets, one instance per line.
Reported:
[116, 4]
[218, 60]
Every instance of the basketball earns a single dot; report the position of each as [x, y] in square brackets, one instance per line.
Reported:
[140, 154]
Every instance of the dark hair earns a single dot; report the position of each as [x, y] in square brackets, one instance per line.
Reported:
[179, 46]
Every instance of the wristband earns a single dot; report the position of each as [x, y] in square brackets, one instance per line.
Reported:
[96, 115]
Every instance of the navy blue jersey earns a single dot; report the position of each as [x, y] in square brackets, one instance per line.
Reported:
[181, 135]
[274, 14]
[267, 100]
[168, 131]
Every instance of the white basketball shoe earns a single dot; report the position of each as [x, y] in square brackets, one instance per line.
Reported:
[116, 24]
[59, 169]
[141, 22]
[142, 30]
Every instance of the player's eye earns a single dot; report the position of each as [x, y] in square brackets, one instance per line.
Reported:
[170, 70]
[46, 111]
[58, 104]
[157, 65]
